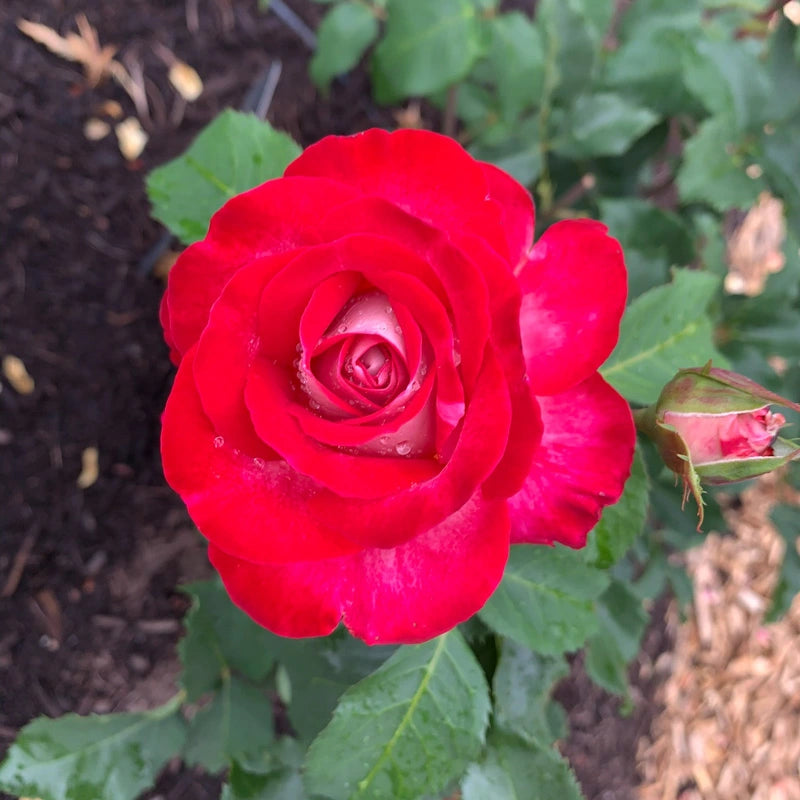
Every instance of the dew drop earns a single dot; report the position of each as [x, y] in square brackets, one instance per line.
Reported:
[414, 385]
[398, 329]
[258, 462]
[342, 328]
[403, 448]
[388, 309]
[299, 347]
[313, 405]
[456, 358]
[219, 441]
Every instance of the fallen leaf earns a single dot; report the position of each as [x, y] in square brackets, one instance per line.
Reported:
[131, 138]
[82, 47]
[186, 81]
[90, 468]
[755, 248]
[17, 375]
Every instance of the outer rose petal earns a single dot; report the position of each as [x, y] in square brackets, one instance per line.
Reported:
[406, 594]
[573, 295]
[251, 506]
[426, 174]
[250, 225]
[581, 465]
[518, 212]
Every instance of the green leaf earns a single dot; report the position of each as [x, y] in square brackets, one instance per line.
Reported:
[782, 167]
[512, 770]
[89, 758]
[622, 625]
[219, 638]
[643, 226]
[602, 124]
[728, 77]
[545, 600]
[345, 33]
[523, 682]
[234, 153]
[407, 730]
[570, 45]
[787, 521]
[621, 523]
[426, 47]
[281, 784]
[713, 169]
[516, 57]
[237, 722]
[646, 64]
[319, 670]
[664, 330]
[513, 148]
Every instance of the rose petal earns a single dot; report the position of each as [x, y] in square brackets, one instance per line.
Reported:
[248, 226]
[426, 174]
[518, 212]
[581, 465]
[248, 505]
[406, 594]
[227, 348]
[573, 295]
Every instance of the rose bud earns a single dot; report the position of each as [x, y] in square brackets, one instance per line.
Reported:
[715, 426]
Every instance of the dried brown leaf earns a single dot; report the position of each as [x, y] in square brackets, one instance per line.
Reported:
[82, 47]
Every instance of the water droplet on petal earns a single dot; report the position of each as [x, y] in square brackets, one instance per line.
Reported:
[299, 347]
[219, 441]
[403, 448]
[258, 462]
[342, 328]
[414, 385]
[456, 358]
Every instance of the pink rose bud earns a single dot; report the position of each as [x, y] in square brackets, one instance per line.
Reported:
[715, 426]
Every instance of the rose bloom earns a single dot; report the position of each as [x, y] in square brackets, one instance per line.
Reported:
[383, 383]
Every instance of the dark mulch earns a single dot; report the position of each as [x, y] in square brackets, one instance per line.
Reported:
[91, 622]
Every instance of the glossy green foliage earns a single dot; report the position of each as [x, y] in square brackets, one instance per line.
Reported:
[407, 730]
[234, 153]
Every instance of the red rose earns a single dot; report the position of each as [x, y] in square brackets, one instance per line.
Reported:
[383, 384]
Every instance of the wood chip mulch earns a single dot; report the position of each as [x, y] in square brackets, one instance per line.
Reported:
[730, 729]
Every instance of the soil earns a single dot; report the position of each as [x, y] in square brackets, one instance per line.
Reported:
[89, 611]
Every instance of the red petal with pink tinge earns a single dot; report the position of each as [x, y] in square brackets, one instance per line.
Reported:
[573, 295]
[580, 467]
[405, 594]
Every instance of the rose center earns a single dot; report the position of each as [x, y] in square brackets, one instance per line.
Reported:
[373, 368]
